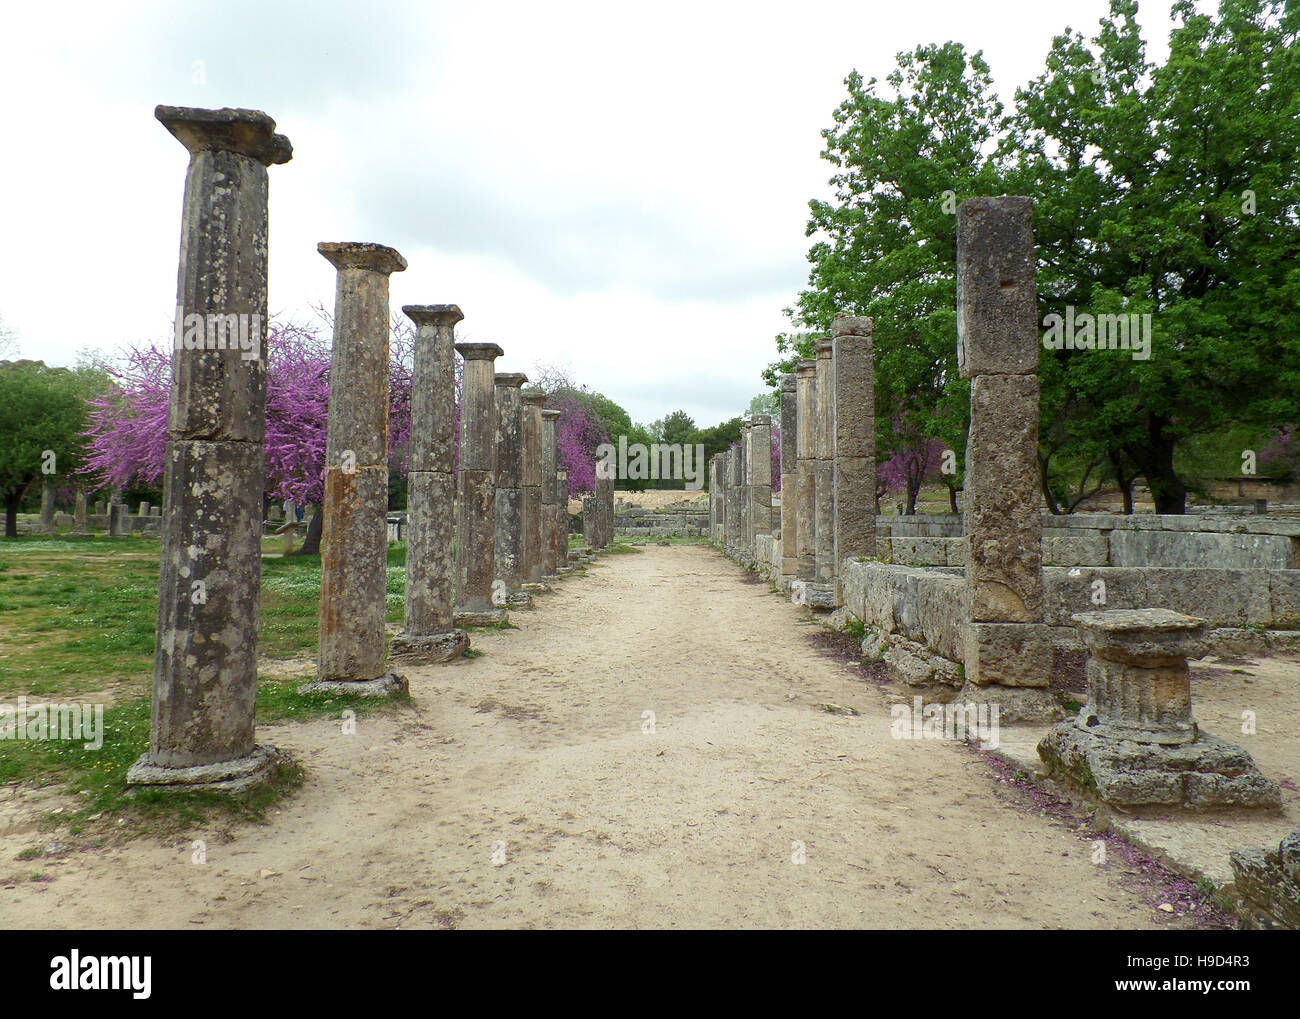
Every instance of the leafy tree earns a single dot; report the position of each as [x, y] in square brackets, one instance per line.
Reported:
[42, 417]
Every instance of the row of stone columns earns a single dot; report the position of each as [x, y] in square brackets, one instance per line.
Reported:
[828, 468]
[205, 667]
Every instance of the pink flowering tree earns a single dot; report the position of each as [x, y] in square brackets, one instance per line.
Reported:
[128, 424]
[915, 459]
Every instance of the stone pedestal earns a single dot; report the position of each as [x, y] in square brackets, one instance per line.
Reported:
[205, 664]
[354, 537]
[79, 513]
[429, 633]
[1135, 743]
[476, 524]
[604, 495]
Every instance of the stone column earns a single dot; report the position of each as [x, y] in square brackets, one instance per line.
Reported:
[46, 524]
[735, 509]
[510, 517]
[354, 536]
[562, 519]
[789, 476]
[806, 480]
[429, 634]
[531, 428]
[604, 506]
[1135, 743]
[115, 525]
[759, 471]
[715, 493]
[205, 662]
[590, 526]
[549, 535]
[854, 439]
[476, 524]
[1008, 656]
[824, 445]
[79, 513]
[745, 545]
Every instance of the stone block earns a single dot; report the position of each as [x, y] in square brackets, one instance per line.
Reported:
[1007, 654]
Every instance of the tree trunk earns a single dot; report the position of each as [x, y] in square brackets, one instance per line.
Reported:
[1052, 507]
[913, 490]
[952, 500]
[1125, 483]
[1156, 461]
[311, 543]
[12, 502]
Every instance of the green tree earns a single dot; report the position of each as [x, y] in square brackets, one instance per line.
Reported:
[42, 418]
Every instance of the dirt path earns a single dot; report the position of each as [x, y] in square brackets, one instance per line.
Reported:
[536, 749]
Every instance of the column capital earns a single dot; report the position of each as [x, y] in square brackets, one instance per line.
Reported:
[249, 133]
[479, 351]
[551, 415]
[534, 399]
[433, 314]
[760, 420]
[361, 255]
[851, 325]
[805, 366]
[512, 379]
[823, 346]
[788, 383]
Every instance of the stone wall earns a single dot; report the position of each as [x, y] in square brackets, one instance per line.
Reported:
[649, 523]
[1100, 539]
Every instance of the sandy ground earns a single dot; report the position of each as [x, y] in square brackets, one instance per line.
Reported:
[526, 790]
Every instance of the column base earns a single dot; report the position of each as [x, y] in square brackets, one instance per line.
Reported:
[564, 571]
[390, 685]
[536, 587]
[1205, 775]
[429, 647]
[487, 617]
[227, 776]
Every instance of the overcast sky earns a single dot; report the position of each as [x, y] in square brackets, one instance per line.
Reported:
[618, 189]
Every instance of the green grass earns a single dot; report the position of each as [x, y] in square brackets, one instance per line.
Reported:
[77, 619]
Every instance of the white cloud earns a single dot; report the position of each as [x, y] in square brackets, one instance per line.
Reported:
[619, 188]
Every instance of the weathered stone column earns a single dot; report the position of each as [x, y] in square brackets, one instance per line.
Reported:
[549, 536]
[429, 633]
[1135, 743]
[824, 445]
[744, 545]
[789, 476]
[354, 537]
[205, 662]
[1008, 656]
[605, 509]
[531, 427]
[806, 481]
[562, 518]
[731, 536]
[854, 439]
[510, 517]
[47, 506]
[79, 512]
[476, 524]
[759, 471]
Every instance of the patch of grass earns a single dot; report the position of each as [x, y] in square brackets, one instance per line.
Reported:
[98, 777]
[470, 652]
[855, 628]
